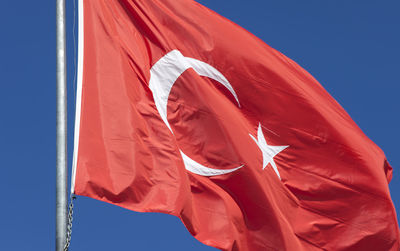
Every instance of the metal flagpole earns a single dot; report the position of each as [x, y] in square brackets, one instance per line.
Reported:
[61, 173]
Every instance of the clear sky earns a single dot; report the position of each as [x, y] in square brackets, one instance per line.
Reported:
[351, 47]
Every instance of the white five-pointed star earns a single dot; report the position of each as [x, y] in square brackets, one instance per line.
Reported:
[268, 152]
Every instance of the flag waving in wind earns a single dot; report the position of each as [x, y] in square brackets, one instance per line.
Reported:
[183, 112]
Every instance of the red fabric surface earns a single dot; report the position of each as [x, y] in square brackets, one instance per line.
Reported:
[333, 193]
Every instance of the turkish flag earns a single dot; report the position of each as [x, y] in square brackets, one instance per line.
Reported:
[183, 112]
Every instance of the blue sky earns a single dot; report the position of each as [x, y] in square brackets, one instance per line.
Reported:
[351, 47]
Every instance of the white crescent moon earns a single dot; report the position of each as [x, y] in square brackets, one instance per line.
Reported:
[163, 75]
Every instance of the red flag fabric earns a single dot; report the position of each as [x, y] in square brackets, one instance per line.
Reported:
[183, 112]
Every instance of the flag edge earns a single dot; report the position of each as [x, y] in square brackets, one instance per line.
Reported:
[78, 104]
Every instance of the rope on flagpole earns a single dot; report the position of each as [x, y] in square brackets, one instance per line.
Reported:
[73, 197]
[70, 219]
[74, 42]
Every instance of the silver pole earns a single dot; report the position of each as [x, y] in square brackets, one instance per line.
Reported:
[61, 173]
